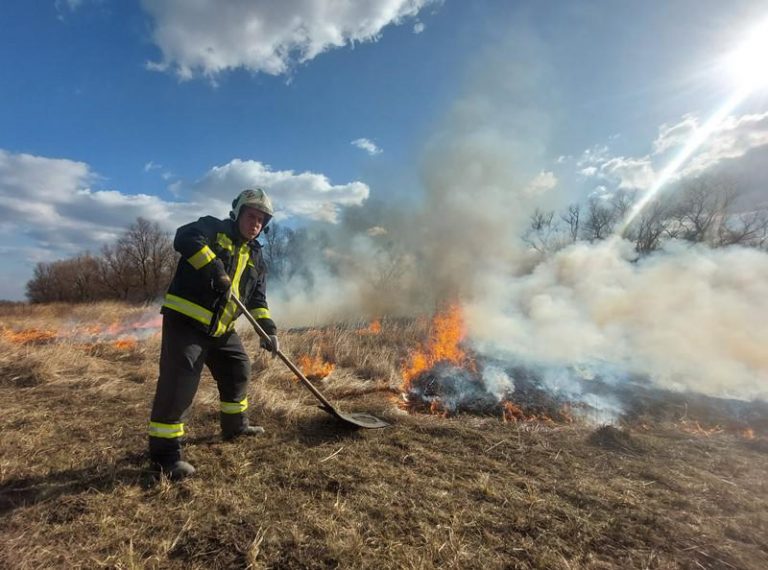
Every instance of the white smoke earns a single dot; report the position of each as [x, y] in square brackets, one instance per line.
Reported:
[691, 318]
[498, 382]
[294, 304]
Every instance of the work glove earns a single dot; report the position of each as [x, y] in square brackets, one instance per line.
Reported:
[272, 345]
[220, 281]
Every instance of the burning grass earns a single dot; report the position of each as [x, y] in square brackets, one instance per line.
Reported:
[27, 336]
[466, 491]
[314, 367]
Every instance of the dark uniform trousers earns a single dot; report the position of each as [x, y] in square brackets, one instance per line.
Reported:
[184, 350]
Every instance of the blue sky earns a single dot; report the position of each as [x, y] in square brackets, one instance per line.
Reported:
[165, 109]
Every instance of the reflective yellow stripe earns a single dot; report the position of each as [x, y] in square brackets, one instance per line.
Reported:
[234, 407]
[228, 316]
[188, 308]
[220, 329]
[202, 257]
[224, 241]
[167, 431]
[261, 313]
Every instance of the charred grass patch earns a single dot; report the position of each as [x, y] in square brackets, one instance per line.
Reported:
[430, 492]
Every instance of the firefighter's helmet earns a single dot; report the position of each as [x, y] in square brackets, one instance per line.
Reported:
[254, 198]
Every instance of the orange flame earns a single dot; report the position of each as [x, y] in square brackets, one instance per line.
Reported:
[695, 428]
[747, 433]
[374, 327]
[314, 367]
[437, 408]
[128, 343]
[118, 328]
[512, 412]
[28, 336]
[448, 331]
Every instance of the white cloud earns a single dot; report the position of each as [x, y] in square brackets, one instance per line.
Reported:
[175, 188]
[165, 174]
[367, 145]
[207, 37]
[376, 231]
[629, 173]
[418, 27]
[49, 210]
[594, 156]
[542, 182]
[307, 194]
[49, 202]
[671, 136]
[72, 5]
[732, 139]
[32, 179]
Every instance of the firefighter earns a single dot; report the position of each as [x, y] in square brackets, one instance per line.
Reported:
[219, 259]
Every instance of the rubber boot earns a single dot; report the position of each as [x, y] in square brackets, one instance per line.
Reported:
[165, 455]
[236, 425]
[177, 470]
[249, 431]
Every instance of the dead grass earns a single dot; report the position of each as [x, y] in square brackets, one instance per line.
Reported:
[430, 492]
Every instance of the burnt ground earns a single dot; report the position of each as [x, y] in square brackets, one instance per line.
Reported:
[431, 491]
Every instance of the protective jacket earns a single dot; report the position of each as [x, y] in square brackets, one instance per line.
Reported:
[191, 293]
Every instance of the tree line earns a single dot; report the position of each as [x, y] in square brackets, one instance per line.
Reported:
[702, 210]
[137, 268]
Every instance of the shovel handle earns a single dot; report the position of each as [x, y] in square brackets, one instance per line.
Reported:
[307, 384]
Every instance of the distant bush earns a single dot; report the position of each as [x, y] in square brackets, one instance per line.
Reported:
[137, 268]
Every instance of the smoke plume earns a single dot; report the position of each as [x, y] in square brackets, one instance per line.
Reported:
[691, 318]
[687, 318]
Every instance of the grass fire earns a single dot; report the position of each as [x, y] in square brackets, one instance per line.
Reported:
[397, 284]
[484, 466]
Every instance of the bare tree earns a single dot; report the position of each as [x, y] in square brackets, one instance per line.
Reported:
[291, 254]
[600, 220]
[149, 254]
[571, 218]
[276, 242]
[42, 287]
[69, 280]
[84, 286]
[745, 228]
[649, 228]
[115, 272]
[544, 233]
[701, 208]
[622, 203]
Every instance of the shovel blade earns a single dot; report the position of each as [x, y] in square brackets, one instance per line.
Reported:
[361, 419]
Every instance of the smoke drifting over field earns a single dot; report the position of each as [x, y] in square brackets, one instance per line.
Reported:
[479, 187]
[691, 318]
[687, 318]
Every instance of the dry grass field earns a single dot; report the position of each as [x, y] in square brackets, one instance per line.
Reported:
[668, 489]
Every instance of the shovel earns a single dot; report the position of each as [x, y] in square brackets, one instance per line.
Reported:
[362, 420]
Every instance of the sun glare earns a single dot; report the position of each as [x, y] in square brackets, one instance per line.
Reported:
[748, 67]
[748, 64]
